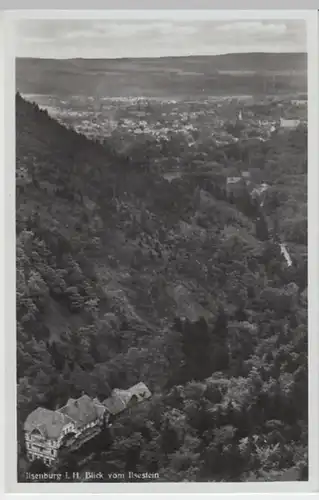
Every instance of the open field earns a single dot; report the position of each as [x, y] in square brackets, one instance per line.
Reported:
[165, 77]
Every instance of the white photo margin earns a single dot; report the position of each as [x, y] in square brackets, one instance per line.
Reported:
[7, 147]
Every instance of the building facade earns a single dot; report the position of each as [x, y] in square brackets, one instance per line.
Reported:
[47, 430]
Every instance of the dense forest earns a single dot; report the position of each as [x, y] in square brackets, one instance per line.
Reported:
[124, 277]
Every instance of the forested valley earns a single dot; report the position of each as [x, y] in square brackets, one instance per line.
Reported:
[124, 277]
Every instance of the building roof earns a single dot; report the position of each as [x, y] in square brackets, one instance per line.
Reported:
[114, 404]
[289, 122]
[140, 390]
[77, 411]
[82, 411]
[49, 423]
[121, 398]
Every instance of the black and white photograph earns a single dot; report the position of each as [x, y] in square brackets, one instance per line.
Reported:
[161, 250]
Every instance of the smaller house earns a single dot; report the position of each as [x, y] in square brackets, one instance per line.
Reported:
[122, 399]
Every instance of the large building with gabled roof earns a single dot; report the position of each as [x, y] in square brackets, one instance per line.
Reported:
[46, 431]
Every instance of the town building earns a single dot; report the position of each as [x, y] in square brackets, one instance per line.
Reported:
[299, 102]
[47, 431]
[290, 124]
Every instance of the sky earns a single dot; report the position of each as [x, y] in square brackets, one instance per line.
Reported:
[53, 38]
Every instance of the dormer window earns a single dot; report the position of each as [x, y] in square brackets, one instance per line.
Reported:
[36, 434]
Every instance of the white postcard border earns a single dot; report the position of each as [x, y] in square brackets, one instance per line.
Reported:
[8, 195]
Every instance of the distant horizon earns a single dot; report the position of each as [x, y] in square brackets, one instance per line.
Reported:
[164, 57]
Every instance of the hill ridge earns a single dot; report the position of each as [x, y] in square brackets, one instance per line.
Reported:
[192, 56]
